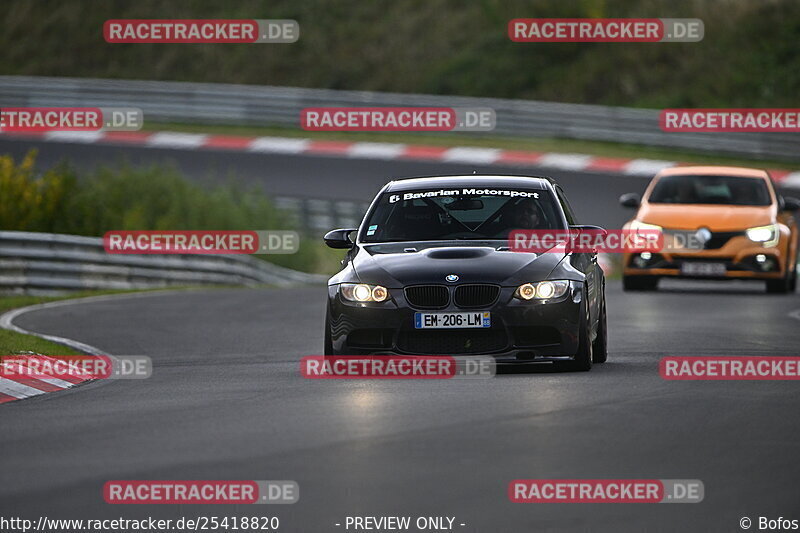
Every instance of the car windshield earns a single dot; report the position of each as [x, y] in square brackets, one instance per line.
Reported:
[460, 214]
[728, 190]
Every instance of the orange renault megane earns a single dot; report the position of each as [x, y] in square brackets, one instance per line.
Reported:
[717, 223]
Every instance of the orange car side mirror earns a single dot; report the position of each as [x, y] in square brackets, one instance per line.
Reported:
[630, 199]
[791, 204]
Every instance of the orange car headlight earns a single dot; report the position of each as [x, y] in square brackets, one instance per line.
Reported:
[767, 235]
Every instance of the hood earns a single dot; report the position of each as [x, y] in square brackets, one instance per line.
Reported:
[713, 217]
[395, 268]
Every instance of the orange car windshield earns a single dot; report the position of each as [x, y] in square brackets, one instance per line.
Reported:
[726, 190]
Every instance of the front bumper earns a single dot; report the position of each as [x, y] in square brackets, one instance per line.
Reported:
[743, 259]
[520, 331]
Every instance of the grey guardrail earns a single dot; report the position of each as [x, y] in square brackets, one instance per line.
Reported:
[208, 103]
[31, 262]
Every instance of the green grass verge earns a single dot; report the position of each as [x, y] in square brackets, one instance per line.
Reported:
[596, 148]
[13, 343]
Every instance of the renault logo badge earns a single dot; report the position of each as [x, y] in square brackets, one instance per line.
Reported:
[703, 235]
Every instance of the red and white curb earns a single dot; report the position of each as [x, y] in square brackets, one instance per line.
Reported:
[13, 388]
[19, 388]
[376, 150]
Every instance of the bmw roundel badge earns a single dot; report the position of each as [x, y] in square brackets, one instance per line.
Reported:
[451, 278]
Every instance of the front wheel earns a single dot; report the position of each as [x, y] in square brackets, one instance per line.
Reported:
[328, 348]
[780, 286]
[600, 344]
[583, 357]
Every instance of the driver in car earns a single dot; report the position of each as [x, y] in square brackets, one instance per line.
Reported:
[526, 215]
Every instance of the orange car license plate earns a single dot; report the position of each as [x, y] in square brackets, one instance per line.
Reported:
[703, 269]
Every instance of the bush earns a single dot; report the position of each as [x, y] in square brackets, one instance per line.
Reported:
[31, 203]
[152, 198]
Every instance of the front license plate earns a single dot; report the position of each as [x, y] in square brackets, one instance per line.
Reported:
[703, 269]
[480, 319]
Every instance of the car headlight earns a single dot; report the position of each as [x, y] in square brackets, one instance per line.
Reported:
[768, 235]
[638, 224]
[543, 290]
[361, 292]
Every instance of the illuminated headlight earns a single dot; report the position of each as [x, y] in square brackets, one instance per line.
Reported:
[768, 235]
[544, 290]
[362, 292]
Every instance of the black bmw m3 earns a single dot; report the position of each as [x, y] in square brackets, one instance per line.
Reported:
[430, 272]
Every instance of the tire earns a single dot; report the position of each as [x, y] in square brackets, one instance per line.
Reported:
[639, 283]
[583, 357]
[328, 348]
[780, 286]
[793, 283]
[600, 344]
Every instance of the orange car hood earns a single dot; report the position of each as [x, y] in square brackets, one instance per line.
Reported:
[713, 217]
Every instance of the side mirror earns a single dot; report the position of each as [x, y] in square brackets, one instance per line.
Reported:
[791, 204]
[630, 199]
[589, 227]
[339, 238]
[579, 247]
